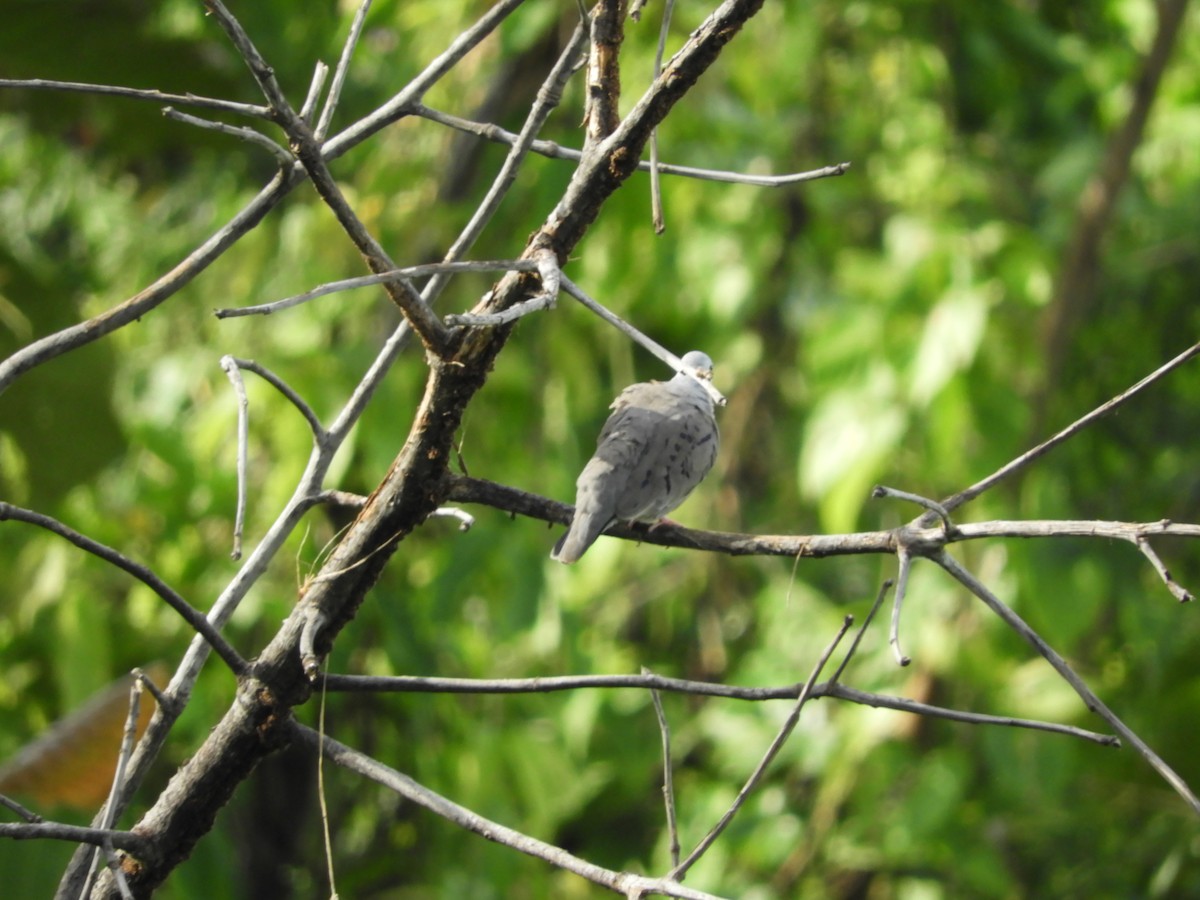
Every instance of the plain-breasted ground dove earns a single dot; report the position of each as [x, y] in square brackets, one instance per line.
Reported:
[657, 445]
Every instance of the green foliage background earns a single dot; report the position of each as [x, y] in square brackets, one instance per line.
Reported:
[887, 326]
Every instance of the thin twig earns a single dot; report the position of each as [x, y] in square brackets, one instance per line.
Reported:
[1179, 591]
[234, 373]
[136, 844]
[548, 684]
[546, 264]
[241, 132]
[346, 284]
[668, 787]
[953, 502]
[1094, 703]
[549, 95]
[258, 66]
[154, 96]
[917, 708]
[656, 206]
[27, 814]
[932, 505]
[879, 595]
[553, 150]
[341, 498]
[545, 685]
[283, 387]
[541, 301]
[321, 796]
[339, 75]
[128, 737]
[906, 561]
[187, 612]
[356, 761]
[637, 336]
[320, 73]
[679, 871]
[156, 692]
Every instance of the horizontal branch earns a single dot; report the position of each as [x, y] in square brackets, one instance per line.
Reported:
[43, 84]
[56, 831]
[464, 489]
[903, 704]
[1035, 528]
[553, 150]
[921, 542]
[361, 281]
[419, 684]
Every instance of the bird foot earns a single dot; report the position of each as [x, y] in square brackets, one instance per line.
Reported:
[662, 521]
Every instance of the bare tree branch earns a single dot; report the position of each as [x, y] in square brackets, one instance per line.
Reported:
[238, 131]
[186, 611]
[339, 76]
[55, 831]
[952, 503]
[549, 684]
[1093, 703]
[42, 84]
[257, 722]
[347, 284]
[644, 340]
[621, 882]
[552, 150]
[668, 786]
[785, 730]
[74, 336]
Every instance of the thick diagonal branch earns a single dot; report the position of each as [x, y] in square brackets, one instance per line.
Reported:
[258, 721]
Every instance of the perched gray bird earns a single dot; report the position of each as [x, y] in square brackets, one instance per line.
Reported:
[658, 444]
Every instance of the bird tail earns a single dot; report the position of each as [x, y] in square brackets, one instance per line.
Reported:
[574, 543]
